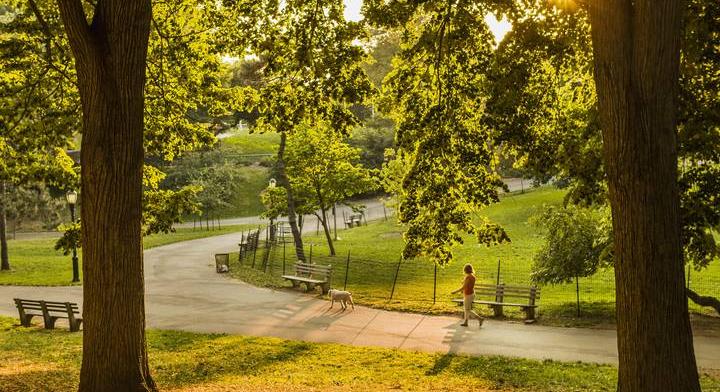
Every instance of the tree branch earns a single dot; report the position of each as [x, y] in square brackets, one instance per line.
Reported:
[703, 301]
[49, 38]
[76, 27]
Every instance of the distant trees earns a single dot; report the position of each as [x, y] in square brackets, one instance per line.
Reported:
[212, 173]
[577, 242]
[324, 170]
[312, 73]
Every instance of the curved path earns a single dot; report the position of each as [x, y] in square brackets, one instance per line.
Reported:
[185, 293]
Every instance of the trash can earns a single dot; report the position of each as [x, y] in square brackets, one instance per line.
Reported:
[222, 262]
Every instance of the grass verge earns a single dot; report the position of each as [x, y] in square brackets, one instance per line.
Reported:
[37, 359]
[34, 262]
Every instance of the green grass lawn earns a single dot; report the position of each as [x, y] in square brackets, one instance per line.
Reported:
[36, 263]
[252, 143]
[37, 359]
[246, 200]
[375, 249]
[256, 174]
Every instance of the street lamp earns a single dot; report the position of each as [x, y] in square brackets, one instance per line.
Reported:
[71, 198]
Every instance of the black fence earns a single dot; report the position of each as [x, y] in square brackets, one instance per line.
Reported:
[419, 284]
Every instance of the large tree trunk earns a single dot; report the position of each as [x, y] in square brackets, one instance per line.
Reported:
[110, 57]
[285, 183]
[4, 260]
[636, 52]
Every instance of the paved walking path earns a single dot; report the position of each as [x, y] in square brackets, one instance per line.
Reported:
[185, 293]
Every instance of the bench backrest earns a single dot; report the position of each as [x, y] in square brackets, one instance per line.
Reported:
[503, 291]
[306, 269]
[50, 306]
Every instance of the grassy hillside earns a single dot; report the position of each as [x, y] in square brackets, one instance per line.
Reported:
[243, 142]
[375, 250]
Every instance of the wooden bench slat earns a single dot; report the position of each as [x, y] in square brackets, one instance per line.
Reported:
[302, 279]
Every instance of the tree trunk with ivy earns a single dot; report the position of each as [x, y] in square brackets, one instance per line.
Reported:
[636, 52]
[291, 210]
[110, 57]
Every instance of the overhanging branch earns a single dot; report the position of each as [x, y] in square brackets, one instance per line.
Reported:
[707, 301]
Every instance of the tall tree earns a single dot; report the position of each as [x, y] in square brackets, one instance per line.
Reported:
[110, 56]
[636, 52]
[636, 48]
[107, 43]
[312, 73]
[324, 170]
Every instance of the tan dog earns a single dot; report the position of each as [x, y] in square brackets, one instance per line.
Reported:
[341, 296]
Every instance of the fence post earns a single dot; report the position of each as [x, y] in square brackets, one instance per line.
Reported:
[497, 282]
[577, 291]
[385, 212]
[435, 284]
[397, 271]
[240, 250]
[347, 269]
[255, 246]
[284, 255]
[311, 246]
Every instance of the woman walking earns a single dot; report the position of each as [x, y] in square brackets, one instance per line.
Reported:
[468, 289]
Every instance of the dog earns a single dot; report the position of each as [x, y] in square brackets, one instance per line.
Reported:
[341, 296]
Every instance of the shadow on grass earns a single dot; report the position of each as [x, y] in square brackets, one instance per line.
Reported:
[505, 373]
[441, 363]
[23, 379]
[592, 314]
[198, 360]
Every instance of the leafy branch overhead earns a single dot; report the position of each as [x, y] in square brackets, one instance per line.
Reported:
[435, 94]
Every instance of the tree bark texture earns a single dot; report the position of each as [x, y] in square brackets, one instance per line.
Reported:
[4, 258]
[636, 47]
[110, 57]
[285, 182]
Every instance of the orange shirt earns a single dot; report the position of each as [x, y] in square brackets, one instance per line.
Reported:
[469, 284]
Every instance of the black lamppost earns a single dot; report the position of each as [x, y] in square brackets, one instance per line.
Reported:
[71, 198]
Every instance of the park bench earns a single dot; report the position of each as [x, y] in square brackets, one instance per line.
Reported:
[525, 298]
[312, 275]
[248, 244]
[50, 311]
[353, 220]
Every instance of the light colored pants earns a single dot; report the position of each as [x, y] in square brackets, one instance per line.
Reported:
[468, 306]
